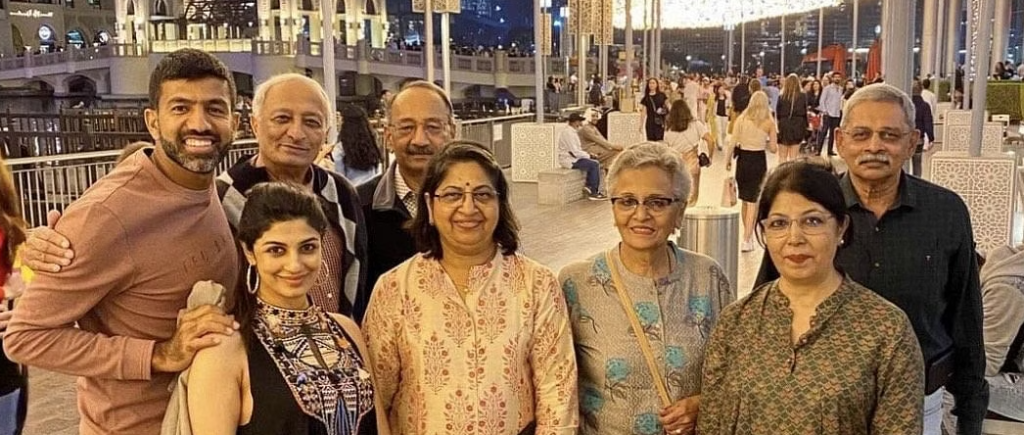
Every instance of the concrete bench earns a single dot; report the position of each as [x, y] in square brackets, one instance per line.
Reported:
[559, 186]
[1002, 427]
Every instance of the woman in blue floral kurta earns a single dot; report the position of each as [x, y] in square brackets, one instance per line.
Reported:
[676, 295]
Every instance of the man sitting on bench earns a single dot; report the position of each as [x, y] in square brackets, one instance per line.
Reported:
[572, 156]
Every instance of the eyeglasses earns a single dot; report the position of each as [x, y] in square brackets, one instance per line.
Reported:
[480, 197]
[653, 204]
[811, 225]
[889, 137]
[433, 129]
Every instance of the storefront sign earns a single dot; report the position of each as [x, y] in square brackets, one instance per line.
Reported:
[32, 13]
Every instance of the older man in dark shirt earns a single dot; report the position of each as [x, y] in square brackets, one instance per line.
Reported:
[913, 244]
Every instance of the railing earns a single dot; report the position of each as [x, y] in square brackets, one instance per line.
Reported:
[54, 182]
[479, 64]
[78, 131]
[494, 133]
[210, 45]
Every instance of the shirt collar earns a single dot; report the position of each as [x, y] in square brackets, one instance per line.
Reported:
[906, 193]
[401, 189]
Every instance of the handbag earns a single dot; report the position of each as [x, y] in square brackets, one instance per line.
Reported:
[641, 336]
[702, 153]
[729, 192]
[176, 420]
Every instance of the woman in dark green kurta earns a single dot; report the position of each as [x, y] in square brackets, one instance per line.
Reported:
[812, 352]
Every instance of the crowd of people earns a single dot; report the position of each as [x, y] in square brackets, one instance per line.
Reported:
[401, 304]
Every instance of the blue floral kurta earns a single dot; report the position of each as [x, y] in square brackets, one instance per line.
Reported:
[617, 391]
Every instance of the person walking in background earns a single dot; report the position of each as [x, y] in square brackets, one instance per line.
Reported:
[358, 157]
[722, 106]
[13, 376]
[684, 135]
[653, 108]
[831, 109]
[923, 124]
[791, 113]
[754, 132]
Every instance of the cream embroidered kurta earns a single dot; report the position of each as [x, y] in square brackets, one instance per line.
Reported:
[489, 364]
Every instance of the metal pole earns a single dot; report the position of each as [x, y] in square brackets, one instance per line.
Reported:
[658, 34]
[1001, 34]
[782, 51]
[629, 48]
[581, 60]
[968, 54]
[327, 15]
[743, 47]
[939, 44]
[538, 59]
[728, 49]
[987, 8]
[428, 49]
[856, 19]
[927, 42]
[952, 43]
[647, 52]
[446, 52]
[897, 41]
[821, 34]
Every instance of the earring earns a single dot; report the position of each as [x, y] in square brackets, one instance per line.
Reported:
[249, 275]
[842, 242]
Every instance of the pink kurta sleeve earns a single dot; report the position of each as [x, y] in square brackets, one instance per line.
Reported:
[553, 360]
[381, 328]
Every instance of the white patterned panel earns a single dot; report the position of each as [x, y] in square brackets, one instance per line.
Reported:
[961, 117]
[957, 138]
[942, 108]
[987, 185]
[625, 128]
[533, 150]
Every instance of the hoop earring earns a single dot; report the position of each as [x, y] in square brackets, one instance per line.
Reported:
[249, 275]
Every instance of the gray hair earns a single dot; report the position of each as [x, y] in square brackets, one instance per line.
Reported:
[657, 155]
[264, 88]
[881, 93]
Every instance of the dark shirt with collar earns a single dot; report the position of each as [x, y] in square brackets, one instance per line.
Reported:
[390, 243]
[920, 256]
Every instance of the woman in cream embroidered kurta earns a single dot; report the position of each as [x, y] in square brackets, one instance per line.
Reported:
[487, 364]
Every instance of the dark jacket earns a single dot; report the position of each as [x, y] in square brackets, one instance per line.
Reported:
[923, 118]
[390, 243]
[340, 204]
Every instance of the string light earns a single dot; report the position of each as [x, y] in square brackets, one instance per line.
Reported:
[691, 14]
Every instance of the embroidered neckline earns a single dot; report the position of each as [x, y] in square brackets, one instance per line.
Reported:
[319, 363]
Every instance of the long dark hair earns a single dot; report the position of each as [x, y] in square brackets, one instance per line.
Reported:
[267, 204]
[11, 222]
[428, 240]
[357, 139]
[679, 117]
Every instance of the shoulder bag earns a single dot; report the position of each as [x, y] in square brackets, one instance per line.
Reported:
[641, 336]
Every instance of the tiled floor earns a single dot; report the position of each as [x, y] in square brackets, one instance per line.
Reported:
[553, 235]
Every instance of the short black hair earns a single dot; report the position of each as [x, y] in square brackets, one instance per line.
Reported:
[188, 64]
[812, 181]
[428, 240]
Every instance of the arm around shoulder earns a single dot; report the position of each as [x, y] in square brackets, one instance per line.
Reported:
[218, 387]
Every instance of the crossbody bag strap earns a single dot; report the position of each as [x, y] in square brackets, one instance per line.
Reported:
[641, 336]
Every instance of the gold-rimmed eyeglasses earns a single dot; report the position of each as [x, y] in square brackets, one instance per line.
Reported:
[456, 197]
[887, 136]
